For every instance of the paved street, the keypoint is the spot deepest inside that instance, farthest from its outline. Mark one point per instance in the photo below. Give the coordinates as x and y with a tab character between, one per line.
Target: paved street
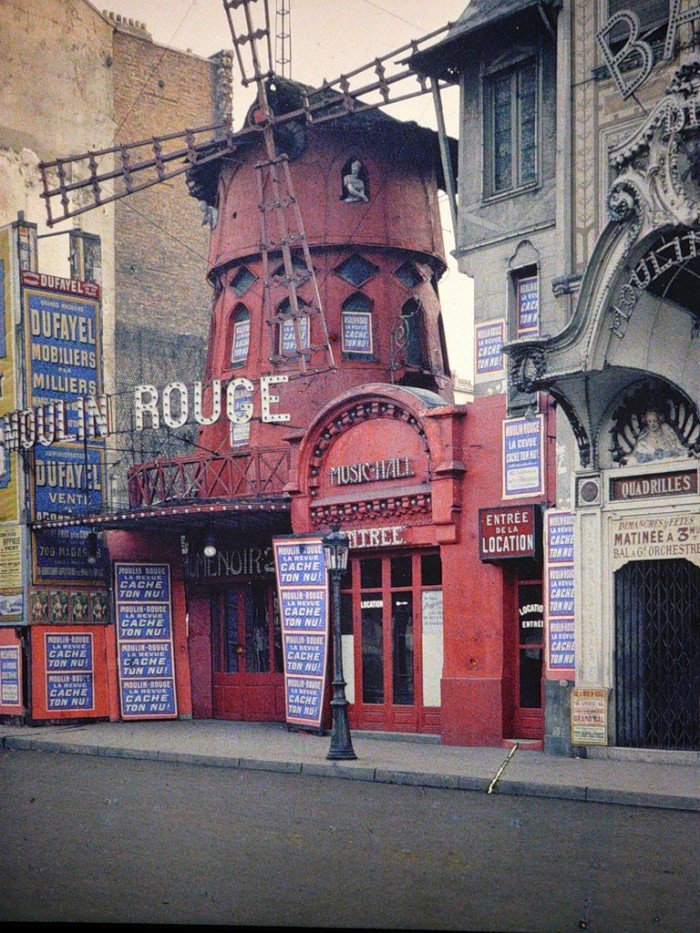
102	839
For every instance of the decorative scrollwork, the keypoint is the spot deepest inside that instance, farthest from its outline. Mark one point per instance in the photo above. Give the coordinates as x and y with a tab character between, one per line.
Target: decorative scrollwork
527	368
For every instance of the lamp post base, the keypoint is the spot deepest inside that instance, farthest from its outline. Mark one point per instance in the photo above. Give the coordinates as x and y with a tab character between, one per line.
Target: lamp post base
341	744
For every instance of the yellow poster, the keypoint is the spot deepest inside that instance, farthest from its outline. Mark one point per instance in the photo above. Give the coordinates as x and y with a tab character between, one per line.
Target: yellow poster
10	557
9	462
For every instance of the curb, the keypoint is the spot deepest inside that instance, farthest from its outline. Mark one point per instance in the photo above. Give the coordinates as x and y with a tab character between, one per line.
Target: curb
505	787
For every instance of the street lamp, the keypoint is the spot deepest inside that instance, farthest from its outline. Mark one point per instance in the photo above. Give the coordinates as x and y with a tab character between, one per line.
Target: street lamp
335	551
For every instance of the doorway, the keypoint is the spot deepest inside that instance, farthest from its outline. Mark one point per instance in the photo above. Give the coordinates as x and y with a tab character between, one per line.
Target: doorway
392	608
657	654
247	678
528	707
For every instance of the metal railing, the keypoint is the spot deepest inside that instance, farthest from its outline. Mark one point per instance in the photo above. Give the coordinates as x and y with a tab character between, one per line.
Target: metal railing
262	471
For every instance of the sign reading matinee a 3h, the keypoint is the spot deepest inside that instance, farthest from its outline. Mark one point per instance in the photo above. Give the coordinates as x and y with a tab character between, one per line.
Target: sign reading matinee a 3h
302	586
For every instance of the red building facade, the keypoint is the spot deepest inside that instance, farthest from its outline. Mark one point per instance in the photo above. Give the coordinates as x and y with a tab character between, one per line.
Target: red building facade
375	445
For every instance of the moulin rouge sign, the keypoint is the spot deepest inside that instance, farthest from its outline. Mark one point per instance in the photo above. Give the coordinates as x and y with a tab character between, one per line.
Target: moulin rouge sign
88	417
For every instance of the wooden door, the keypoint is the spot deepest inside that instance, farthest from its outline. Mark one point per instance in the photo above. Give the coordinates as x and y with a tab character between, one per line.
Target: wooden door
529	661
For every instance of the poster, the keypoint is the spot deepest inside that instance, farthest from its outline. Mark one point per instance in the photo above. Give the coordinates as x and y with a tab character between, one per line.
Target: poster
70	673
589	716
10	676
302	586
489	363
523	457
63	363
528	306
288	340
559	589
9	461
240	341
145	655
357	332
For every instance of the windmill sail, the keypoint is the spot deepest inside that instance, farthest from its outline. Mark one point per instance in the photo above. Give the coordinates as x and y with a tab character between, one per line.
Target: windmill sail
79	183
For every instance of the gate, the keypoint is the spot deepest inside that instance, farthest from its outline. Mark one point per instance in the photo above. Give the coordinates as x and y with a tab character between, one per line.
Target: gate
657	654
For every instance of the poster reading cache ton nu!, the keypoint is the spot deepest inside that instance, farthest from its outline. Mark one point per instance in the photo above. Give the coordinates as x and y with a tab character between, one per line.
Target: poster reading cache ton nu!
145	641
302	586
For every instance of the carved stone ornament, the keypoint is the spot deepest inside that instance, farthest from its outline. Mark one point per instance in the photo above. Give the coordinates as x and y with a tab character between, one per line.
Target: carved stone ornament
654	422
527	367
658	168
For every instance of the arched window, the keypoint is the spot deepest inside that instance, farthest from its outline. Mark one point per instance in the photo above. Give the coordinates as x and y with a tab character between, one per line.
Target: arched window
412	312
357	327
240	336
286	335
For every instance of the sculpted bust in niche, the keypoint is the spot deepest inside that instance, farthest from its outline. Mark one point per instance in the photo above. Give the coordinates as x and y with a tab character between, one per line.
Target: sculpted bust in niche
656	441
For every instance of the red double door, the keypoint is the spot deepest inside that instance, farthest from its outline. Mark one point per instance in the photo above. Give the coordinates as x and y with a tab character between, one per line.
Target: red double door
247	671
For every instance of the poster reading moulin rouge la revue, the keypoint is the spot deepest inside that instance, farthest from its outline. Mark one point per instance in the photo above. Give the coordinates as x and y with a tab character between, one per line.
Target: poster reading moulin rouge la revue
559	588
70	672
302	586
489	362
145	641
523	457
63	363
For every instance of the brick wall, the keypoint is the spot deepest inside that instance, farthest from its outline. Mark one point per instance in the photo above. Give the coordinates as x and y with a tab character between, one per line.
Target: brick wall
163	299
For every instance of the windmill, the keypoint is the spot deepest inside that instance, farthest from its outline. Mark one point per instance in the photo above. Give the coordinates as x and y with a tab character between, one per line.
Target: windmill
78	183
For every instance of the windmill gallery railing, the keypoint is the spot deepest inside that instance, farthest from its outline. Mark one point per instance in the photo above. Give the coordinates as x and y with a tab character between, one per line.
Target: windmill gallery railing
263	471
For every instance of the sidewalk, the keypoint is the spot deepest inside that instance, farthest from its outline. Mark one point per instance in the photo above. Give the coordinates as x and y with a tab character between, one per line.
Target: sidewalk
270	747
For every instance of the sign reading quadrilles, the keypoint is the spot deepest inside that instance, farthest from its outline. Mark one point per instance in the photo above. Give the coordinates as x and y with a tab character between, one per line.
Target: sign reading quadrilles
302	586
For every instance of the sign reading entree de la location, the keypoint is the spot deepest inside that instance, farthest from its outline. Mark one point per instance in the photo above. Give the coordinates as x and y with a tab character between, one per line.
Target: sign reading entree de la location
508	532
302	586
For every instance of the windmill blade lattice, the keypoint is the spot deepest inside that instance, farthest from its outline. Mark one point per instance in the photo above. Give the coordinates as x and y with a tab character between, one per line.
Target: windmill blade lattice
79	183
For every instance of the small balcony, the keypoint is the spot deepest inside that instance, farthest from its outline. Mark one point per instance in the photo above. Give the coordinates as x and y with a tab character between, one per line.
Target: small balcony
259	472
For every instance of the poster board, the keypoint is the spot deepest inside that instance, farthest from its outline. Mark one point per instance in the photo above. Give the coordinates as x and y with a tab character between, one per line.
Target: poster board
589	715
145	657
559	590
523	457
302	588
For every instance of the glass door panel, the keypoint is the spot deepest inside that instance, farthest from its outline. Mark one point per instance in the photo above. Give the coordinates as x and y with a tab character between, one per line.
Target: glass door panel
372	648
402	648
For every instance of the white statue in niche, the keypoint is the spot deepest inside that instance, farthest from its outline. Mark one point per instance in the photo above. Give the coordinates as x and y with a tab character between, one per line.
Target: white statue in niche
354	182
210	215
656	441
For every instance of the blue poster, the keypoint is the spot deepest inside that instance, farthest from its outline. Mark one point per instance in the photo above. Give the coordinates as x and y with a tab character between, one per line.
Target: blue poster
488	342
560	591
69	652
357	332
528	306
63	363
143	583
148	699
559	576
145	641
144	621
63	347
145	659
9	675
288	339
69	691
302	586
523	457
305	654
560	537
561	644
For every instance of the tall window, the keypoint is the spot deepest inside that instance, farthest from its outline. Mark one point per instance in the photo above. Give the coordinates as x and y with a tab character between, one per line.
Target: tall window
412	312
240	336
511	130
357	327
